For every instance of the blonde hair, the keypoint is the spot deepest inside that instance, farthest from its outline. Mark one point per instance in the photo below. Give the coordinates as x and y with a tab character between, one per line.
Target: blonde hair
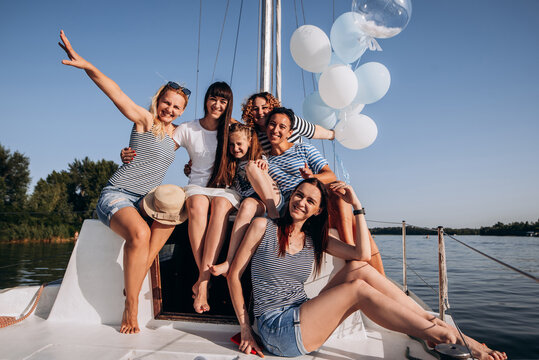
255	150
158	128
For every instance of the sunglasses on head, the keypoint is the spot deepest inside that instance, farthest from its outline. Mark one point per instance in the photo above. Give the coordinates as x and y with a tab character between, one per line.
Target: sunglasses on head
176	86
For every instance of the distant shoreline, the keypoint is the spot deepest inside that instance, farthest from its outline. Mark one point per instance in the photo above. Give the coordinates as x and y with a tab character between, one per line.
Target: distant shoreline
55	240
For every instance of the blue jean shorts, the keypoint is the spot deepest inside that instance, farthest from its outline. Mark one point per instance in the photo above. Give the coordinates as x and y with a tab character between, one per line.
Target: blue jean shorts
280	331
114	198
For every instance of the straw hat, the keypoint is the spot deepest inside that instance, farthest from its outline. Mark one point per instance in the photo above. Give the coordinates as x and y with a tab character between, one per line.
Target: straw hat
165	204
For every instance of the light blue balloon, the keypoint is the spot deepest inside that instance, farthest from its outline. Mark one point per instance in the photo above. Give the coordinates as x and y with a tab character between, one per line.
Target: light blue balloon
373	81
317	112
346	37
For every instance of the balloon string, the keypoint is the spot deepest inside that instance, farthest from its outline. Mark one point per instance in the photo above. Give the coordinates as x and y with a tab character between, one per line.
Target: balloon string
370	42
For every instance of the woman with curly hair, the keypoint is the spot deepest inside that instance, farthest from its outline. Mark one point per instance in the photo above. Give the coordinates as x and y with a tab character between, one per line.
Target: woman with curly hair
255	113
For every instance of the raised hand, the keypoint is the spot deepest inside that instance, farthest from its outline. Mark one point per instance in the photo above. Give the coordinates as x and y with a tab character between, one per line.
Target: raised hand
74	59
261	164
305	172
345	192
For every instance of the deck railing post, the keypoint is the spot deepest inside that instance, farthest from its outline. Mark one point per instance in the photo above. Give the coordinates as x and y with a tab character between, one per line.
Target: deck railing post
442	274
404	282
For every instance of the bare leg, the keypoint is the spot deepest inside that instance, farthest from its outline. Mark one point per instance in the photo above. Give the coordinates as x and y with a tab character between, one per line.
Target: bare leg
265	187
342	218
197	210
356	270
320	316
215	236
128	223
158	238
249	208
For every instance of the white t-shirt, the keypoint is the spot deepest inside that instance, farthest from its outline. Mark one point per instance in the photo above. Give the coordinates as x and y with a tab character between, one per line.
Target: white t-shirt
201	144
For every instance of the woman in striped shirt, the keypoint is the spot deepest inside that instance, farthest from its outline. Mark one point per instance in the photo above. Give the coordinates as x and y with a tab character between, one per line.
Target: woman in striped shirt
255	113
118	204
282	254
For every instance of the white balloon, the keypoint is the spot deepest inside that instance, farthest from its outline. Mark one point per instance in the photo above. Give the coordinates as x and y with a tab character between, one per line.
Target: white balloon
356	131
338	86
310	48
352	109
317	112
373	81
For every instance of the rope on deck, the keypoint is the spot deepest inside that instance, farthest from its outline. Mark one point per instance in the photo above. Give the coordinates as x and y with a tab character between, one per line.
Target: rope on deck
11	320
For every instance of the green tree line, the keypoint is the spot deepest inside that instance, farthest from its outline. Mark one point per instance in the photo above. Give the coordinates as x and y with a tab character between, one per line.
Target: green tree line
59	203
498	229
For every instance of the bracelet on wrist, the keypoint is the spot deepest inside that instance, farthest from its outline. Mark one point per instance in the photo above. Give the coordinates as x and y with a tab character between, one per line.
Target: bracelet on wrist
359	211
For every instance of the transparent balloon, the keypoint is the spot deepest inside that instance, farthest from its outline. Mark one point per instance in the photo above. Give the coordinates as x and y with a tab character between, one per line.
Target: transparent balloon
382	18
317	112
373	80
356	132
310	48
347	39
338	86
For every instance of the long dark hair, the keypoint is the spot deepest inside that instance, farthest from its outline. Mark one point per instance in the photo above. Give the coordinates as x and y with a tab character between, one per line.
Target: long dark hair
316	226
220	176
255	150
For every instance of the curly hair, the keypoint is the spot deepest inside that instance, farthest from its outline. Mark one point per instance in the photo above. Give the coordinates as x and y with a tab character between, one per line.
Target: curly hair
248	106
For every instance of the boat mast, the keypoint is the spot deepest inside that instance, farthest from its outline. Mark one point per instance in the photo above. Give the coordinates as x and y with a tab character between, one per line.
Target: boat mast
266	50
266	45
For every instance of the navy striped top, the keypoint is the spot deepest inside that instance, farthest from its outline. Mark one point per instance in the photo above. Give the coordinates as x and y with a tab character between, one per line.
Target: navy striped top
284	168
301	128
149	167
279	280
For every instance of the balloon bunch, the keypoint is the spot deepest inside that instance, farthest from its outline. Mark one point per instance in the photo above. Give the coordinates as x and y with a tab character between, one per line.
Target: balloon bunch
342	92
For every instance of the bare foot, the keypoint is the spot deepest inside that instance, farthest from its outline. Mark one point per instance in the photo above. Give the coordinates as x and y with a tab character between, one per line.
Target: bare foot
220	269
201	297
129	320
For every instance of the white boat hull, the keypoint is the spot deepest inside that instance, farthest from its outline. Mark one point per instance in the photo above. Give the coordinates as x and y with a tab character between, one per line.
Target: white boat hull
80	318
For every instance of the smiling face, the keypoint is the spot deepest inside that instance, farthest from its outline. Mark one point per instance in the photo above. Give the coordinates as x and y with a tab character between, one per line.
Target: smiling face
170	106
260	111
305	202
238	144
279	129
216	106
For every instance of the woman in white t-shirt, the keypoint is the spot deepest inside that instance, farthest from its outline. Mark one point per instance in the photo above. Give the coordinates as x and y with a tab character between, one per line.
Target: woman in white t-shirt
208	191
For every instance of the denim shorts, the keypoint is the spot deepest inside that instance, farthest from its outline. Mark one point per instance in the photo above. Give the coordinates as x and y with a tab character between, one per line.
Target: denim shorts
280	331
114	198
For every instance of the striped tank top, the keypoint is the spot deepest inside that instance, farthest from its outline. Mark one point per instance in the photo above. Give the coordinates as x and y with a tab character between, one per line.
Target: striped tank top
279	280
149	167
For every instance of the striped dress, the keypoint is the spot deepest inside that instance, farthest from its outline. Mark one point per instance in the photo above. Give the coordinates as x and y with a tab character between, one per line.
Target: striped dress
301	128
149	167
279	280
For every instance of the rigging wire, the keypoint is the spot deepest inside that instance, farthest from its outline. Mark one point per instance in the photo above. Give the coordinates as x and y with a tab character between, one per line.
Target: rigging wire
220	39
301	70
482	253
198	56
236	43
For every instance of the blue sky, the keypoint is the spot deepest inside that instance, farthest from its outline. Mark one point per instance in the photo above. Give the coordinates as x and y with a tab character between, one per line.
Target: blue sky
457	132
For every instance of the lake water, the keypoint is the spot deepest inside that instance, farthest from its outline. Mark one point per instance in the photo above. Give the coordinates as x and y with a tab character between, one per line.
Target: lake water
488	301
